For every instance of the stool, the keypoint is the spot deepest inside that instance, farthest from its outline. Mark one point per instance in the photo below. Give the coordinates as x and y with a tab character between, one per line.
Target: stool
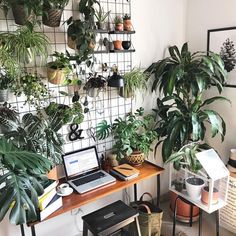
191	215
110	219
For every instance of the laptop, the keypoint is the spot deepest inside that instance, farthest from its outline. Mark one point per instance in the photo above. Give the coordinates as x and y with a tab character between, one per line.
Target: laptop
83	170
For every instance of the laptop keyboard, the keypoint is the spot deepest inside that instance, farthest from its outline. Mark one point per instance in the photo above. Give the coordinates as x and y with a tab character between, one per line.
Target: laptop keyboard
88	179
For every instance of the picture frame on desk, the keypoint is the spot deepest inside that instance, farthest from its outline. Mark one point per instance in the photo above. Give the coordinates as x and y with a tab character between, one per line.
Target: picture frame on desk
223	42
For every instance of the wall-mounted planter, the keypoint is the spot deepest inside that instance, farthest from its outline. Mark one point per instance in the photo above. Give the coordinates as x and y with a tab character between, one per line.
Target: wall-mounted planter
126	44
119	27
52	17
123	92
117	44
55	76
127	25
4	95
20	15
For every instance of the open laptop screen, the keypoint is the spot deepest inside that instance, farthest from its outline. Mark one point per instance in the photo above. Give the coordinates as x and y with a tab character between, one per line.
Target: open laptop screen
81	161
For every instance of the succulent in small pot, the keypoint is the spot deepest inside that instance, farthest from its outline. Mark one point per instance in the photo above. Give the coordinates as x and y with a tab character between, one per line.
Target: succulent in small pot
132	134
127	22
23	10
101	16
95	84
59	69
52	12
118	21
117	44
126	44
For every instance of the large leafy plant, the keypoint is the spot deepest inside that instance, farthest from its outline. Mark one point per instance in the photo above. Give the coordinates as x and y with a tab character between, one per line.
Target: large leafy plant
132	133
182	114
19	180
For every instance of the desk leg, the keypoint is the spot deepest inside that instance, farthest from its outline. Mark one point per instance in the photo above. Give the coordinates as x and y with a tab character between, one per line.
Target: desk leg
217	223
191	216
22	230
33	231
135	192
158	190
200	222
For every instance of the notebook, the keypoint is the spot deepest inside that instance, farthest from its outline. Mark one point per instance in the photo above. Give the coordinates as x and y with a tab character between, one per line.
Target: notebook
83	170
125	172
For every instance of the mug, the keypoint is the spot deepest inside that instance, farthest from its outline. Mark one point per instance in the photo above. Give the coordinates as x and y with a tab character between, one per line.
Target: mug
64	188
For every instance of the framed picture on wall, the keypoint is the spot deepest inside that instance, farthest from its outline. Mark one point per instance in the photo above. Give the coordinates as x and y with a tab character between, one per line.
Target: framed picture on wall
223	42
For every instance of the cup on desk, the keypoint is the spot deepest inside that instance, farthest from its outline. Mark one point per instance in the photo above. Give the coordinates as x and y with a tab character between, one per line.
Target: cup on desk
64	188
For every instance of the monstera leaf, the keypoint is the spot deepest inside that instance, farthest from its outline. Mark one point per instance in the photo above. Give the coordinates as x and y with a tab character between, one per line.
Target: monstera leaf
19	181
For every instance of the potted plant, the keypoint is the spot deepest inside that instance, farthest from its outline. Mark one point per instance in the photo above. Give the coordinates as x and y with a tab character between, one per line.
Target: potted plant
101	16
133	81
23	10
127	22
52	12
5	84
80	36
118	23
22	172
94	85
205	195
133	135
117	44
184	78
32	86
25	44
59	69
126	44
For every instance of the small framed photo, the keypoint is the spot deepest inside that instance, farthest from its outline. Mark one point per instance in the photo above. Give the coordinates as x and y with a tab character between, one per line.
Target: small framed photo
223	42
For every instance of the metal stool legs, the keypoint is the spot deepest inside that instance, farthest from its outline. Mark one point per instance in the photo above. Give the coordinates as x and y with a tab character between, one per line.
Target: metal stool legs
217	223
200	223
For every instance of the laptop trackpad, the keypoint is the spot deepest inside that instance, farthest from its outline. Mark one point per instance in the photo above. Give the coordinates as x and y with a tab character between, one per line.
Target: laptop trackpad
95	183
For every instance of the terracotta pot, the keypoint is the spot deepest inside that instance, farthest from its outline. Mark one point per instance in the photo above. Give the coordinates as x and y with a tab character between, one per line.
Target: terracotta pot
56	172
119	27
20	15
205	195
52	17
183	209
117	44
56	76
136	158
127	25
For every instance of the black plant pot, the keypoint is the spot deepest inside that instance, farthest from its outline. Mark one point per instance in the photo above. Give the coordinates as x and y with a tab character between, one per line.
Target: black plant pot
126	44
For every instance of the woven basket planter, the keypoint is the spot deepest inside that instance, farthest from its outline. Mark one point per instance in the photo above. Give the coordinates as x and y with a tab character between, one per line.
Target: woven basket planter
55	76
136	158
52	18
20	15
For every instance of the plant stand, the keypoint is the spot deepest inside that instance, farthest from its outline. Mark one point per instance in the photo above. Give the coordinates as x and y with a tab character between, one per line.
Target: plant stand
200	217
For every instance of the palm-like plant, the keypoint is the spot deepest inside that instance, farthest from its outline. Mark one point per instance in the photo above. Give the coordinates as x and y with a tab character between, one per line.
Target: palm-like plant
19	180
184	78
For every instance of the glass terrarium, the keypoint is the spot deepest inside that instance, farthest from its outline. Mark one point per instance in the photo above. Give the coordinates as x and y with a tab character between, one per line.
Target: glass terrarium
208	188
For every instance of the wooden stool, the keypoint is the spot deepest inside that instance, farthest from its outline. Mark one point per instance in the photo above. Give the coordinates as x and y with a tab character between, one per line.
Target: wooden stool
110	219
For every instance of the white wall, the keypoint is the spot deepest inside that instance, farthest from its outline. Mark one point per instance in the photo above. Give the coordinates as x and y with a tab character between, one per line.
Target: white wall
159	23
201	16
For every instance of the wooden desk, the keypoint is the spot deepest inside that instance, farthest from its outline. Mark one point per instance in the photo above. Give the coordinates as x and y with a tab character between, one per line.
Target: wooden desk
76	200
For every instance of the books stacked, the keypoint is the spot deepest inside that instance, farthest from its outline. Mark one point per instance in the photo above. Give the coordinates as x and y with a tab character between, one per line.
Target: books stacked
49	201
125	172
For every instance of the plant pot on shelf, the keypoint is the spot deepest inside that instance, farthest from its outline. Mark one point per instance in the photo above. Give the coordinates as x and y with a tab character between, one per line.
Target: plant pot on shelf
55	76
127	25
4	95
117	44
126	44
119	27
52	17
20	14
101	25
136	158
183	209
194	186
56	173
205	195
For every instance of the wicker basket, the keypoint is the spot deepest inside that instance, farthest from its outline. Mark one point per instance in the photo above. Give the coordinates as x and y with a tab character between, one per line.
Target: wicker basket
136	158
20	14
56	76
52	18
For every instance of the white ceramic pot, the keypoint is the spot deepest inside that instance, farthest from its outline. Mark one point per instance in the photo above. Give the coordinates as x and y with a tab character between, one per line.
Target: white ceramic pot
194	186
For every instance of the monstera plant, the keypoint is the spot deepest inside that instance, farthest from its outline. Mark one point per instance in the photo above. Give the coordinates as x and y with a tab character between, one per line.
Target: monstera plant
20	175
183	112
